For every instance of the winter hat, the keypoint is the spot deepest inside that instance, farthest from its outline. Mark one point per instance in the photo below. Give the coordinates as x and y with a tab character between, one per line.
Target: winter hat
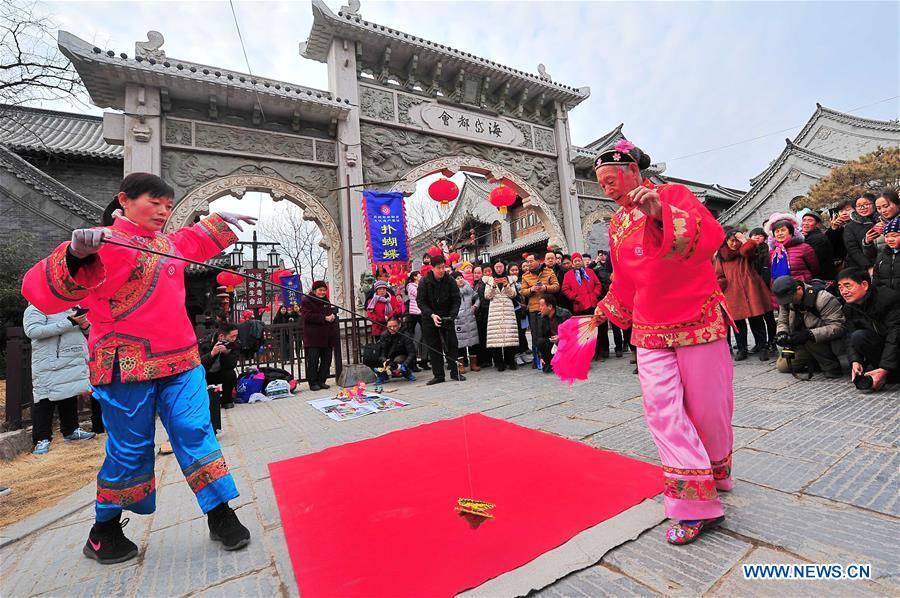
320	284
808	212
892	226
624	152
576	256
779	219
758	231
380	284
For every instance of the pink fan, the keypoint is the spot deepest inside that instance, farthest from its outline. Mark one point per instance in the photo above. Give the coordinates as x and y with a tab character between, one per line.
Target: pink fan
575	349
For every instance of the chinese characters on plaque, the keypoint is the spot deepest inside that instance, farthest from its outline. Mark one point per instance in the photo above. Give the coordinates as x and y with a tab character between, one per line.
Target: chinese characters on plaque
256	291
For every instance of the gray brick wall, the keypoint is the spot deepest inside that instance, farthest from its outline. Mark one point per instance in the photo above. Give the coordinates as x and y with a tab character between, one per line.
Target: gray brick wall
97	181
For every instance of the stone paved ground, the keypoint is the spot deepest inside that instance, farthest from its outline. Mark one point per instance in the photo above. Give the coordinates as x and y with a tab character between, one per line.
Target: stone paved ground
816	463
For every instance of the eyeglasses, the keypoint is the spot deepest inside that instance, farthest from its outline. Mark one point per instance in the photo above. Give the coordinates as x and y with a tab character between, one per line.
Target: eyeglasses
867	204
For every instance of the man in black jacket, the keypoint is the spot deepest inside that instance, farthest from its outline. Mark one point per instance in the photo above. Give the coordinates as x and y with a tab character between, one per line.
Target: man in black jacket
220	360
397	350
816	239
552	315
439	299
873	318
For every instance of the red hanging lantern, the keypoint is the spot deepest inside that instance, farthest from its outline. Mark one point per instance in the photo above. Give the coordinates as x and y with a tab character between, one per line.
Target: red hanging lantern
229	279
453	257
444	191
277	275
502	197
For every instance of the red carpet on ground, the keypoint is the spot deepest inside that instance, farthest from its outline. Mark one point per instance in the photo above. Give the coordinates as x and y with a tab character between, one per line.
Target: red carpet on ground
376	517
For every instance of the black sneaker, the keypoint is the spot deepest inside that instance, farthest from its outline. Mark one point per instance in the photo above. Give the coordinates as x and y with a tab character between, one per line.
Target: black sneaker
314	387
107	544
434	381
324	386
224	527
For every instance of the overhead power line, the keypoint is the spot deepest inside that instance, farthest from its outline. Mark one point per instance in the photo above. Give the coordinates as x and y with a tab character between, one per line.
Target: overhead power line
758	137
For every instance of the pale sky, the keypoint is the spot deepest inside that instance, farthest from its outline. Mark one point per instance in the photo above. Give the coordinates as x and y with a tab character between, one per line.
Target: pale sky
683	77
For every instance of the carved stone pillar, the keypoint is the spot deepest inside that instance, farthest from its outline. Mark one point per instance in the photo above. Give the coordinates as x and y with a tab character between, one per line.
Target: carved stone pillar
143	132
568	192
342	83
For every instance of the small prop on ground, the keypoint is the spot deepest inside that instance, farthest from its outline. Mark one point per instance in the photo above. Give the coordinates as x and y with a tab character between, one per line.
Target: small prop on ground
477	508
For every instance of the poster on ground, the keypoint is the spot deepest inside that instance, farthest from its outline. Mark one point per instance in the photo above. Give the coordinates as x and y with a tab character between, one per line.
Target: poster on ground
342	410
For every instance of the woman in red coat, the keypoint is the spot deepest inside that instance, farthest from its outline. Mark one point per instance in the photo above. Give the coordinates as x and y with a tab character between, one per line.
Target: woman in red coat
582	287
746	294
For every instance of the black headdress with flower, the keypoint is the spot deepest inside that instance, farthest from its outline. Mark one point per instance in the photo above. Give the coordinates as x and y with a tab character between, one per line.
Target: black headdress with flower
624	152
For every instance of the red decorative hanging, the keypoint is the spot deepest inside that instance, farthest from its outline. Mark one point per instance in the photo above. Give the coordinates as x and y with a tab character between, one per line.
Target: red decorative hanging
434	251
502	197
453	257
229	279
444	191
277	275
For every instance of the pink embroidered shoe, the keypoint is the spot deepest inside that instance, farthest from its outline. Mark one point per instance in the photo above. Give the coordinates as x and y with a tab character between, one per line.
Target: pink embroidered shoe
685	532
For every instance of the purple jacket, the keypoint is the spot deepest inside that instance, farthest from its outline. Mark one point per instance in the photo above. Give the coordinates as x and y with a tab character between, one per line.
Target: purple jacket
802	259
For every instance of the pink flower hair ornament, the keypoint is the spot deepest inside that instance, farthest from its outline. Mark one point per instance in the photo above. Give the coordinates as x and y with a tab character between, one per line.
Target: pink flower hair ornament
624	146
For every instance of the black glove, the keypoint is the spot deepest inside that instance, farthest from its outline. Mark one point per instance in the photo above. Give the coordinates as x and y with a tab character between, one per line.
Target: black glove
801	337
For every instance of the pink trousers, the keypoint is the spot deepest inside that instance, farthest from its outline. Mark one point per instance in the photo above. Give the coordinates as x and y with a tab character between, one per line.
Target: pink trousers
688	403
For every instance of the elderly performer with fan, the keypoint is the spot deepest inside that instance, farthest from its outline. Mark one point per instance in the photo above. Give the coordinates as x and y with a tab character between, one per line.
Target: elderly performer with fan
144	358
662	241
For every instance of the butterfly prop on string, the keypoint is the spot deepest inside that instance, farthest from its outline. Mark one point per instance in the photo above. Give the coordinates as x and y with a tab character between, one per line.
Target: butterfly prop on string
575	348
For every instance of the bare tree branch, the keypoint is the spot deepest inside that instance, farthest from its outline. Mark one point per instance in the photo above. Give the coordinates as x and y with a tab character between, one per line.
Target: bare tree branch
33	69
301	242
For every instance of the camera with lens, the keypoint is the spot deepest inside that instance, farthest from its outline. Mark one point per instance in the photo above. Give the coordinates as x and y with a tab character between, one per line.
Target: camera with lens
864	382
783	339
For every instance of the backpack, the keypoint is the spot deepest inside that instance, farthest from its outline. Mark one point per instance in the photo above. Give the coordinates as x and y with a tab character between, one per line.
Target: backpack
763	265
371	355
248	384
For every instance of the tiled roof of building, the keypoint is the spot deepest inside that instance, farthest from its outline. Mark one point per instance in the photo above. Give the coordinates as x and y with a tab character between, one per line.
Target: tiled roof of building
43	183
520	243
52	132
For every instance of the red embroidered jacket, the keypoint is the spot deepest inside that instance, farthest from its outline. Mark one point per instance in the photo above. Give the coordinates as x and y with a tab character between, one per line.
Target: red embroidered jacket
136	299
664	283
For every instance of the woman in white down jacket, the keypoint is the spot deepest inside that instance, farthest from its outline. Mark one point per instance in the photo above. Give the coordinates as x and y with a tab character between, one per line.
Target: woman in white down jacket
502	326
59	373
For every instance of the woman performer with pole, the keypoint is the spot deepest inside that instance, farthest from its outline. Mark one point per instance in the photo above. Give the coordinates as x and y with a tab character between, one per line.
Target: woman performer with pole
662	241
143	356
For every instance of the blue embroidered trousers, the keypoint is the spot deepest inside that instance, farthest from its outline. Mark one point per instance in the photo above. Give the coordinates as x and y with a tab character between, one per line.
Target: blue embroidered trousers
126	479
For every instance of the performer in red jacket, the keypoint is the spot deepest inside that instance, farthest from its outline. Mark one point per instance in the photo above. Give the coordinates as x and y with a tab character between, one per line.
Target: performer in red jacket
662	241
144	359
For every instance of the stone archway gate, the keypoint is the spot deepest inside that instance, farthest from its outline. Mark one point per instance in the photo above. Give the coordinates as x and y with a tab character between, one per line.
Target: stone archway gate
398	107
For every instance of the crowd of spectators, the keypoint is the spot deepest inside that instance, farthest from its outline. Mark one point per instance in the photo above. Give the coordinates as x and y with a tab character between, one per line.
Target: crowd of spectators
835	287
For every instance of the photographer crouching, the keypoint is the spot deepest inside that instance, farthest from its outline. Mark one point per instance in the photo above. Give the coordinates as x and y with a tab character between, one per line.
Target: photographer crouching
220	359
810	318
873	318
